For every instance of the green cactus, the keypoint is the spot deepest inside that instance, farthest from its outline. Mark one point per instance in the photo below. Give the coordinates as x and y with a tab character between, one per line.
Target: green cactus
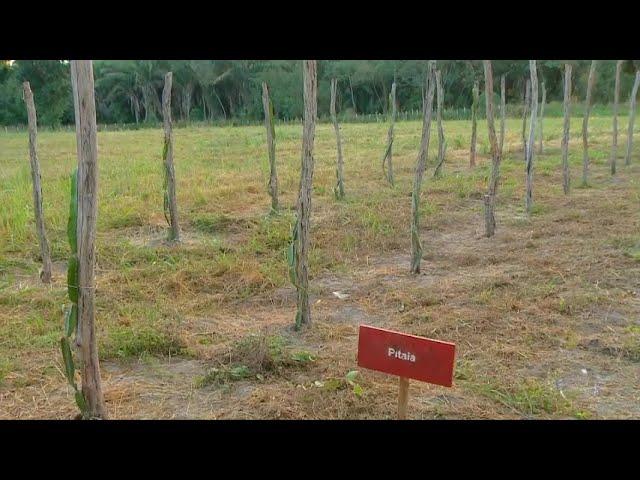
165	183
415	237
292	260
292	254
71	315
338	190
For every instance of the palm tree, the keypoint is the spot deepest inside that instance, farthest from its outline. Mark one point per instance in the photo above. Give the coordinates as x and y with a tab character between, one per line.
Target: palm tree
209	74
149	79
118	80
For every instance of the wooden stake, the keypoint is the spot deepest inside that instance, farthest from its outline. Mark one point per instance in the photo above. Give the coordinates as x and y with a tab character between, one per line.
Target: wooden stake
403	398
45	275
532	137
474	123
442	144
170	202
616	100
502	112
585	124
525	112
565	132
496	153
540	120
87	146
310	80
632	116
427	106
271	145
388	154
339	188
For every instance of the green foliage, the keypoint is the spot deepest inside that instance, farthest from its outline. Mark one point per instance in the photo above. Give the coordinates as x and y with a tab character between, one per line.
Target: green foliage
350	378
256	356
72	278
129	91
302	357
71	320
415	236
71	316
530	397
51	85
69	368
72	230
338	190
292	254
165	182
126	342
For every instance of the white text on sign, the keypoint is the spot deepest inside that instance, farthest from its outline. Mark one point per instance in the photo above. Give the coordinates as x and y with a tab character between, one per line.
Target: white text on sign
399	354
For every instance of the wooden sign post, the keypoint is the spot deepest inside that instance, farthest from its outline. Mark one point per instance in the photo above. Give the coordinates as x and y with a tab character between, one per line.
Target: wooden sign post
407	356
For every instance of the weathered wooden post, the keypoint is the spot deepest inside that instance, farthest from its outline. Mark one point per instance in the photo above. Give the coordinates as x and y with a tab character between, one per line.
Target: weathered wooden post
616	100
86	137
339	188
632	117
542	104
299	249
387	159
403	397
271	146
565	133
585	124
496	154
525	112
503	112
442	143
427	107
170	203
45	255
532	136
474	123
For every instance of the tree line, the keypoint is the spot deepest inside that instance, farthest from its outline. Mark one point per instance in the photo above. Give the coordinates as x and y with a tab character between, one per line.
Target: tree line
130	91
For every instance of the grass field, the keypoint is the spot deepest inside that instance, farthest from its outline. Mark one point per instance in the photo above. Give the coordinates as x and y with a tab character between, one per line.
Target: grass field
545	315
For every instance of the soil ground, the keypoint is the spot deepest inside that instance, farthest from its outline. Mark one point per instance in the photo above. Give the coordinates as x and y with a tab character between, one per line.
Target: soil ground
545	315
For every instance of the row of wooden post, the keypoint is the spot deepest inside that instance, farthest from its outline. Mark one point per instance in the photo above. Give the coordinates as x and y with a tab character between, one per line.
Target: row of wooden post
86	131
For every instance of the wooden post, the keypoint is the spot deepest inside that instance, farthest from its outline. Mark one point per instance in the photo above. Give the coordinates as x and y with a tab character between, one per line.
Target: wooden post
388	154
525	112
632	117
427	106
339	188
616	100
45	274
353	99
542	103
301	246
474	123
271	146
532	137
565	134
170	203
496	153
442	144
403	398
503	112
86	138
585	124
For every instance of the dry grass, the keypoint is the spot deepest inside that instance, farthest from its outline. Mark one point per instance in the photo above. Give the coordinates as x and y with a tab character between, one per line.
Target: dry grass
203	330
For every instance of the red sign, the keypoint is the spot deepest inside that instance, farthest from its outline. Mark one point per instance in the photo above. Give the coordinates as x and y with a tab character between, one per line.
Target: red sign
407	356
